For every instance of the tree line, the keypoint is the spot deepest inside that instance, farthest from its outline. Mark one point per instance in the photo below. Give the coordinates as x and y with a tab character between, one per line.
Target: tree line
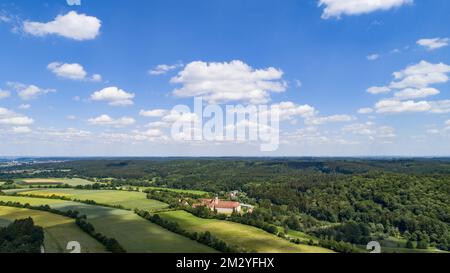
110	244
205	238
22	236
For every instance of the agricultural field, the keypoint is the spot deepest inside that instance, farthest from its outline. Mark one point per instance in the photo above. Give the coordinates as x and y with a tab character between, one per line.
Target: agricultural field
303	237
248	237
54	181
18	190
135	234
144	236
58	230
129	200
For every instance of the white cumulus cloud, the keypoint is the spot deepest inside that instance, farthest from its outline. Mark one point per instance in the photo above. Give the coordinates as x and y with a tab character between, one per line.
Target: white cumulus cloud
224	82
433	43
71	25
153	113
378	90
96	78
74	2
105	120
8	117
21	130
413	83
163	69
440	106
114	96
29	92
411	93
73	71
289	110
396	106
337	8
421	75
370	130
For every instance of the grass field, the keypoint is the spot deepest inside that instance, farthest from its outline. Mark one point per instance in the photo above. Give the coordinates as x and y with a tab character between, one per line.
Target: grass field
58	230
15	191
135	234
143	235
129	200
54	181
303	237
248	237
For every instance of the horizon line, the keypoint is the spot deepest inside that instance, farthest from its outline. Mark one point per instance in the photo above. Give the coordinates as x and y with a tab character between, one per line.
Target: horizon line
332	156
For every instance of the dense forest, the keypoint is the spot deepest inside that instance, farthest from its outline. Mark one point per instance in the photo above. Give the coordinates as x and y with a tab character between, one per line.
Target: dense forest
22	236
351	200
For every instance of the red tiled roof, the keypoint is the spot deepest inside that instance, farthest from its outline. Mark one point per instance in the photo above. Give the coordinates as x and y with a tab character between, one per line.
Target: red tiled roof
226	205
220	205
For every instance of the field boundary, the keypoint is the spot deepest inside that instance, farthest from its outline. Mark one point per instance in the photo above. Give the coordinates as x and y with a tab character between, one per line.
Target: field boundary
110	244
64	198
93	203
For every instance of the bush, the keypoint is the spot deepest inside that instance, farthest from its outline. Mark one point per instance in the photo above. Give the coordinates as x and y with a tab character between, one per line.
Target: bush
81	220
422	245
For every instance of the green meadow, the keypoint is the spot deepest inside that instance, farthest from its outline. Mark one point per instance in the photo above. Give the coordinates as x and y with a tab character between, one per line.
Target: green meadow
248	237
127	199
144	236
54	181
134	233
294	234
58	230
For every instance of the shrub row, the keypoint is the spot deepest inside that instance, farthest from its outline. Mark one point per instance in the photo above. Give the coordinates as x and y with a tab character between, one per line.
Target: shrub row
205	238
65	198
110	244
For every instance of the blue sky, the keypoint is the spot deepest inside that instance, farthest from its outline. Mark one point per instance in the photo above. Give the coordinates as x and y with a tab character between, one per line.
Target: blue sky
101	78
